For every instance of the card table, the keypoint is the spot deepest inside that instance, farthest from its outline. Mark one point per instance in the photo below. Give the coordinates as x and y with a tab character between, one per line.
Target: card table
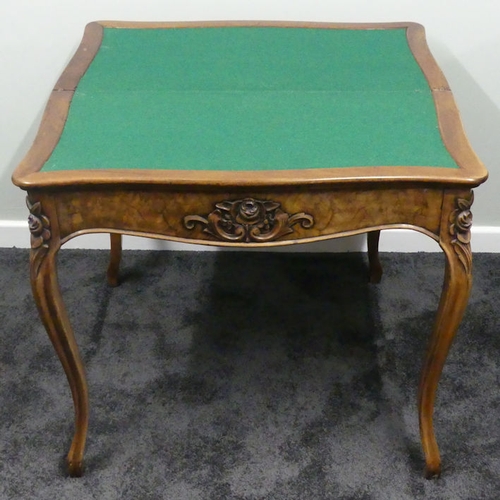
250	134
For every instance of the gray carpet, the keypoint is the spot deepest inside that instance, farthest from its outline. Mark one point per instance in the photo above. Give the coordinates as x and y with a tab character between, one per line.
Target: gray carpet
249	376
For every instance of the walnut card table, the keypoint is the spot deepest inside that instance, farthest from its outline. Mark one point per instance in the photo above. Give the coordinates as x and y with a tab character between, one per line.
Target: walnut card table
250	135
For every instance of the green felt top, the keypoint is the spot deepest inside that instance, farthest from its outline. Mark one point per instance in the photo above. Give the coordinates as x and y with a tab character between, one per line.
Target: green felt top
251	98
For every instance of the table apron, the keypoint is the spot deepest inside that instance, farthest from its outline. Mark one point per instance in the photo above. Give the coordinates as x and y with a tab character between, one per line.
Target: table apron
214	217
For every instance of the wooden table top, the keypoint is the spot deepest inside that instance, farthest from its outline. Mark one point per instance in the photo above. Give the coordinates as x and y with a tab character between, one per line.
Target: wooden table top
250	103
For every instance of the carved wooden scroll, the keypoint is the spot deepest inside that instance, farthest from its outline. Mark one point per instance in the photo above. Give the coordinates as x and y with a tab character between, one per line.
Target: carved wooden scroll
248	220
460	226
39	226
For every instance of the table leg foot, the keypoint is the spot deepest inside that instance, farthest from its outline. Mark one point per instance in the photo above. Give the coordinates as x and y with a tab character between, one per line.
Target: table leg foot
114	260
54	317
75	468
432	472
375	271
454	297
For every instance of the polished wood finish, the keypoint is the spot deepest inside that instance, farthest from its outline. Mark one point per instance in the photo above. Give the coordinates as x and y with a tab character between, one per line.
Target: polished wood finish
161	212
45	287
302	206
455	242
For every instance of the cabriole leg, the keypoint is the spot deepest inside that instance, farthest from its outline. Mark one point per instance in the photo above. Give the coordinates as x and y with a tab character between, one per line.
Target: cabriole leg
455	242
114	259
375	272
44	283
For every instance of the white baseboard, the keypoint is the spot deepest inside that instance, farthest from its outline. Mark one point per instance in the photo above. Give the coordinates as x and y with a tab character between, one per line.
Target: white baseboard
484	239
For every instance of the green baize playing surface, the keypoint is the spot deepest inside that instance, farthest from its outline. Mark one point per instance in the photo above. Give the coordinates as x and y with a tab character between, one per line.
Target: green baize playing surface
251	98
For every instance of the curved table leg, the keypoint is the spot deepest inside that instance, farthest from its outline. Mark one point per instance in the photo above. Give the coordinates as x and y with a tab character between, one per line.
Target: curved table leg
115	258
455	239
375	272
48	298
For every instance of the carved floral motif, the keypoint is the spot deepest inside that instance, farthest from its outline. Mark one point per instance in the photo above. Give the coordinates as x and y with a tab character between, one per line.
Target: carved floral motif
460	226
38	223
248	220
39	226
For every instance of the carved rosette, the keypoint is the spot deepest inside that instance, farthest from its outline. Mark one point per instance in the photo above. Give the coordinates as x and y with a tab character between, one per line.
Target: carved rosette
39	226
460	226
248	220
38	223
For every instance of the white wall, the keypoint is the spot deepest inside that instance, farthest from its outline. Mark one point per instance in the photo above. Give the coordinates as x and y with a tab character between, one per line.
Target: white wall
38	37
